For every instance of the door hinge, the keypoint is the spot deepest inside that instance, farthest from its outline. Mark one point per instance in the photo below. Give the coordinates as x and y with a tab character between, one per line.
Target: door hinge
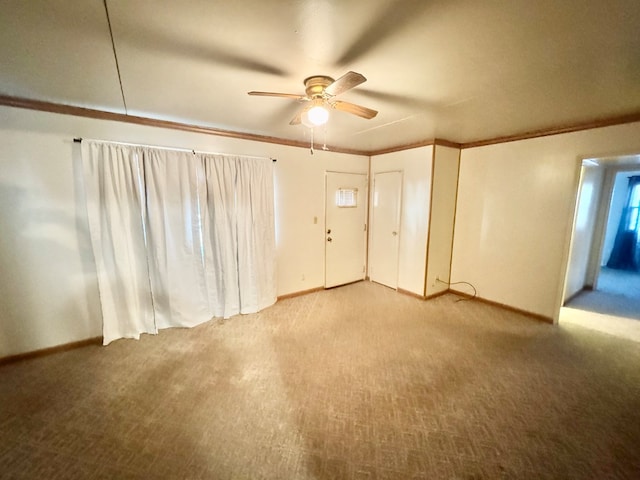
365	227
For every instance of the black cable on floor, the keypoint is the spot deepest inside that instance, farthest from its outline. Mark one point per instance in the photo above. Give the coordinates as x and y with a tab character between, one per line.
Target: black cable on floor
475	292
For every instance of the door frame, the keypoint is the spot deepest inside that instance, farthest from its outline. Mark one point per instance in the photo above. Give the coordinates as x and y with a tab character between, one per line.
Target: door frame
599	231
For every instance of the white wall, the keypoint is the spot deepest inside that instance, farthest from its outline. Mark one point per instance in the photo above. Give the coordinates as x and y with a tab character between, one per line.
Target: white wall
590	192
300	190
48	290
515	211
415	165
443	206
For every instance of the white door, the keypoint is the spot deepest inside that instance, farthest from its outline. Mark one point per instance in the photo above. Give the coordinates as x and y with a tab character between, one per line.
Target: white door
345	228
385	228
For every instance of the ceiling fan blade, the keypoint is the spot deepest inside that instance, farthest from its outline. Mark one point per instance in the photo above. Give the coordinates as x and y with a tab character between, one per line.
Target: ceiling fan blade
384	25
274	94
354	109
345	82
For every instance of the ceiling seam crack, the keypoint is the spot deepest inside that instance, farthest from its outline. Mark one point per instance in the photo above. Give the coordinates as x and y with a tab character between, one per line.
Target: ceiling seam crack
115	56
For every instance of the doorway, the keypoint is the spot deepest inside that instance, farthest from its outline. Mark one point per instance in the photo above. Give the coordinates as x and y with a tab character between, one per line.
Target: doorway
597	296
345	228
385	228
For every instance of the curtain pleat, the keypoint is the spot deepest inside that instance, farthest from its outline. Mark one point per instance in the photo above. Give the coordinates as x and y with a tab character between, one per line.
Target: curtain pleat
115	200
178	238
175	244
221	232
256	236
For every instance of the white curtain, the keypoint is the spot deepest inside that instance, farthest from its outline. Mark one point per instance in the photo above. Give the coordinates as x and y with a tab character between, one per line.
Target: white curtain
194	236
256	234
240	229
175	192
115	206
220	229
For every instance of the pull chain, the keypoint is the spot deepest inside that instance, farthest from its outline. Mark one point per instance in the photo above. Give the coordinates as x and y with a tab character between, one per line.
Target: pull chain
312	130
324	145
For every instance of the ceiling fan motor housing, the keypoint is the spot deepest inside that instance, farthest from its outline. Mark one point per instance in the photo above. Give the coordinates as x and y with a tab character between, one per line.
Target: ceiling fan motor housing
316	85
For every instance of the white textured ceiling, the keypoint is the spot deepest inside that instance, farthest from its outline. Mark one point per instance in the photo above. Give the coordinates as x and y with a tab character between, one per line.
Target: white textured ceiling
462	70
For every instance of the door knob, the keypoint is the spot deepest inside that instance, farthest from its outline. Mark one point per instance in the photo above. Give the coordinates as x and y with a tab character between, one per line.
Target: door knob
394	233
328	231
329	239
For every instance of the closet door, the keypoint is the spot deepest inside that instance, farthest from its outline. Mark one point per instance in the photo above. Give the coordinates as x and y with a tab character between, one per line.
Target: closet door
385	228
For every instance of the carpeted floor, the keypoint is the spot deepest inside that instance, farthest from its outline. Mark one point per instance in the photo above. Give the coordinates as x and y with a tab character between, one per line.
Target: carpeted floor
619	282
617	294
356	382
613	308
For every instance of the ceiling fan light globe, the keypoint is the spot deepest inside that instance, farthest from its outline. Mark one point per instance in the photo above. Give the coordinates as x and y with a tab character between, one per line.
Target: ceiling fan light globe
318	115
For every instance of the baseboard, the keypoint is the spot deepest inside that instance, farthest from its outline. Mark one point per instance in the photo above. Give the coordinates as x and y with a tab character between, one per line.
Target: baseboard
48	351
411	294
436	295
298	294
535	316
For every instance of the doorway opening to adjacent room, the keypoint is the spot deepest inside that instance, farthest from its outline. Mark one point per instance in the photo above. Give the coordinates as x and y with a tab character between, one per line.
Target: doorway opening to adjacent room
602	284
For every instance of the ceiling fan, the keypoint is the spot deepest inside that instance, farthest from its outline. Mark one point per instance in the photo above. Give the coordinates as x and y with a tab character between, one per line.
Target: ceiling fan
320	91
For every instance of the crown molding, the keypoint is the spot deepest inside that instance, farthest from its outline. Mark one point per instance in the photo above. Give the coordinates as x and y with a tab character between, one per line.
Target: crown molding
557	130
399	148
64	109
52	107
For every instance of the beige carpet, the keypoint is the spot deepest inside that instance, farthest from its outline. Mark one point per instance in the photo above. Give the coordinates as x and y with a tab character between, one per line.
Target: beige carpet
355	382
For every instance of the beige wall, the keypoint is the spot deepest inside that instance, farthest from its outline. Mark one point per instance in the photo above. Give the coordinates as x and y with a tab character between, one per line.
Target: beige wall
443	206
300	192
515	212
514	216
415	165
48	291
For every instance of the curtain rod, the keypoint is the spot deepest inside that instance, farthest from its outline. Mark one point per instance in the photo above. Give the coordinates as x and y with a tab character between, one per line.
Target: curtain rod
80	139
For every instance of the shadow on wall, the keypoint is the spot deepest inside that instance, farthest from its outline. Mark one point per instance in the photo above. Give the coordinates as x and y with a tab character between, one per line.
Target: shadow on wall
48	288
12	263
